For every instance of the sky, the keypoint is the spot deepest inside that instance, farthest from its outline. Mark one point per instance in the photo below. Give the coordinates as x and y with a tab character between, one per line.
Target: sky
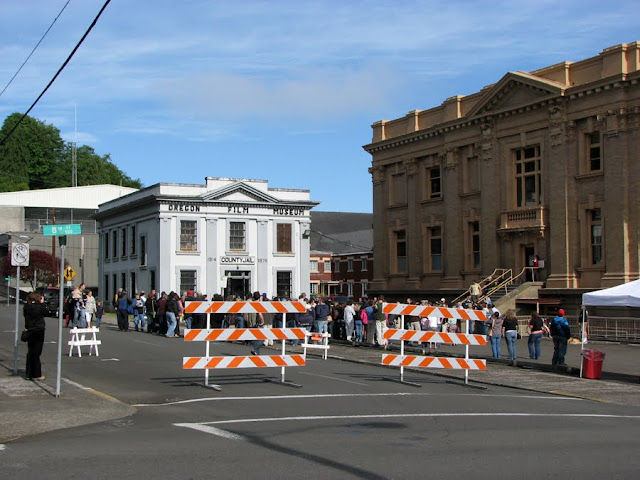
285	91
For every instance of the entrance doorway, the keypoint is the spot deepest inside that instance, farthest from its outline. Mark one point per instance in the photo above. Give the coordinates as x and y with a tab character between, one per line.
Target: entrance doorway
529	255
238	283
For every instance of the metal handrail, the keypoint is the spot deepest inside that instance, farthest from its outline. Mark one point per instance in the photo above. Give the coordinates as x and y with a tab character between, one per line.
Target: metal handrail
484	283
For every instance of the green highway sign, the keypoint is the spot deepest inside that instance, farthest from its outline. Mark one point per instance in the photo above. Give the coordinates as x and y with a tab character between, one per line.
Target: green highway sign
58	230
8	279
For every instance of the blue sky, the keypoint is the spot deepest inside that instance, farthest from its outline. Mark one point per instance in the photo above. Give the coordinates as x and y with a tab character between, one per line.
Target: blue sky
280	90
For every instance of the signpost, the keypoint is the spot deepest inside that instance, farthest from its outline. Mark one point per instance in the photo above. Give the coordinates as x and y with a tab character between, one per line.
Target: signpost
61	231
19	258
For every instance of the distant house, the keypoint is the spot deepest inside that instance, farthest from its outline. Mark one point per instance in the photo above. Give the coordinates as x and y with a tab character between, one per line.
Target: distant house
341	253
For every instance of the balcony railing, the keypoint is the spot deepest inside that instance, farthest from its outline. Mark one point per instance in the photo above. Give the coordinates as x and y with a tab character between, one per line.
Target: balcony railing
523	219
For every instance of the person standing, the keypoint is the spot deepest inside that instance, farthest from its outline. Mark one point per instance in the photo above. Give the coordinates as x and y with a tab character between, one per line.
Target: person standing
138	313
99	313
510	331
495	324
475	290
349	314
161	308
381	320
171	314
560	332
150	307
34	314
90	307
536	326
123	310
322	312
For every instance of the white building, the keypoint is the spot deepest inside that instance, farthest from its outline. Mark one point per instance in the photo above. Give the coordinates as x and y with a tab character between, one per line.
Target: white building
228	236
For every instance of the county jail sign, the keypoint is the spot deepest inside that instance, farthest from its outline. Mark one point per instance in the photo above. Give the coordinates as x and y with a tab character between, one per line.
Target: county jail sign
238	260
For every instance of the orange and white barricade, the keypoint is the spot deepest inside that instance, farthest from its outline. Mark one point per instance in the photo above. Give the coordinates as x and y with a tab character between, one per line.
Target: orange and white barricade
465	339
79	339
244	334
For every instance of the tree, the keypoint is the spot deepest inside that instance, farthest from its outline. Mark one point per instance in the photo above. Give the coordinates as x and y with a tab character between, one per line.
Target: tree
29	156
43	263
35	157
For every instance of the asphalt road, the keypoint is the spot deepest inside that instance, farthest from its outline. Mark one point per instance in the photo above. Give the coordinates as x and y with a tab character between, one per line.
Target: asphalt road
346	421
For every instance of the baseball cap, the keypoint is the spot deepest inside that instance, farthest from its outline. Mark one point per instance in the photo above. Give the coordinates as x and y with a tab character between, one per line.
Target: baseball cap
561	312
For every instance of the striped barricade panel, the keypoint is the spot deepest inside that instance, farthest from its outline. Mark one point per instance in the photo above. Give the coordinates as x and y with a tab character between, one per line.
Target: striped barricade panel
251	361
435	337
244	307
427	311
241	334
434	362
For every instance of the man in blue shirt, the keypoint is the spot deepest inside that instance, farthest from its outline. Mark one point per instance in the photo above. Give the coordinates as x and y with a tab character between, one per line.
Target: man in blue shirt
561	332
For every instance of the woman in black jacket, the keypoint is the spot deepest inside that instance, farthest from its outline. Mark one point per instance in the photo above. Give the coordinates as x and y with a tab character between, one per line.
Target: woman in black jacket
34	313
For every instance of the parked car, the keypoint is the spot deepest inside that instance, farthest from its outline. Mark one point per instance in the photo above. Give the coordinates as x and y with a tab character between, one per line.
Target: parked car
52	298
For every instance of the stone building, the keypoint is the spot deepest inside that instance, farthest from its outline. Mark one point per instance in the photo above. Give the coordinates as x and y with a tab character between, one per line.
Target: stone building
540	163
227	236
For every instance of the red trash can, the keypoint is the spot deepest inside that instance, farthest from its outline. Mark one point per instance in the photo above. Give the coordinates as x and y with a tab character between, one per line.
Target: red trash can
592	361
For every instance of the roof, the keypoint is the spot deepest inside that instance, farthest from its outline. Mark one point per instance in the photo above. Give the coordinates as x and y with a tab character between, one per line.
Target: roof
341	232
86	197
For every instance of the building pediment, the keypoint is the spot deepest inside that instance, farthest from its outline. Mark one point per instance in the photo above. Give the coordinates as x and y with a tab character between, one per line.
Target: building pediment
516	89
238	192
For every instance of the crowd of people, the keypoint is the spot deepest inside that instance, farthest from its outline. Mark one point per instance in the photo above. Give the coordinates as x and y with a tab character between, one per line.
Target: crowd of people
360	321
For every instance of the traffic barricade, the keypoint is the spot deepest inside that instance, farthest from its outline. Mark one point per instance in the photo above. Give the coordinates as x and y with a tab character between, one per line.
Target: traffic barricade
421	336
323	343
244	334
79	339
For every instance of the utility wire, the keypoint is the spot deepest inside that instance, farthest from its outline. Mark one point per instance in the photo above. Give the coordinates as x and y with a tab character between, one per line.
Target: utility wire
34	48
2	142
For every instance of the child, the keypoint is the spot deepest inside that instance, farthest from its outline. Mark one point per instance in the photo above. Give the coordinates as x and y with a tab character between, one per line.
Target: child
99	312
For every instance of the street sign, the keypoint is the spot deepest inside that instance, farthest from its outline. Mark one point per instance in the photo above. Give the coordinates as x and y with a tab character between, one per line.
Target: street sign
58	230
69	273
19	254
8	279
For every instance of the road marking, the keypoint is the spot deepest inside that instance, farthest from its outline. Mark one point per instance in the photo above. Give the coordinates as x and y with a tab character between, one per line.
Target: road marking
212	431
334	378
109	359
77	385
414	415
339	395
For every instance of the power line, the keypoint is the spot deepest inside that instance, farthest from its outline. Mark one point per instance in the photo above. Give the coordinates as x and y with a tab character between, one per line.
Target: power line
34	48
57	73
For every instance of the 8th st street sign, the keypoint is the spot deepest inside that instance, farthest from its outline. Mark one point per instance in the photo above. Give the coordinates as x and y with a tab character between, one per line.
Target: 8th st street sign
60	230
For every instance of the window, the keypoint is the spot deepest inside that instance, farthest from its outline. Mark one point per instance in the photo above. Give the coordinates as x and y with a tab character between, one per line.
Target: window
349	265
114	254
152	280
475	244
187	280
283	284
313	265
596	236
363	265
133	240
434	182
123	280
115	284
313	288
327	265
188	236
123	250
134	287
528	177
365	287
350	289
435	248
106	290
284	238
399	189
237	236
106	246
336	266
400	237
143	250
594	152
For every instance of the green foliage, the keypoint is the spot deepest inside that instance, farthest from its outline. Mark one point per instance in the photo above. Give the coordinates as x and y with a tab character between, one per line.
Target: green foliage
45	265
35	157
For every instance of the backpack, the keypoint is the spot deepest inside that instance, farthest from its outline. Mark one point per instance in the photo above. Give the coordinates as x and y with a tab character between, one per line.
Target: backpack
363	316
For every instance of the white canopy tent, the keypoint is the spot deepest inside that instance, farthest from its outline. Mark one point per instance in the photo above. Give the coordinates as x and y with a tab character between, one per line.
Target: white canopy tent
625	295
